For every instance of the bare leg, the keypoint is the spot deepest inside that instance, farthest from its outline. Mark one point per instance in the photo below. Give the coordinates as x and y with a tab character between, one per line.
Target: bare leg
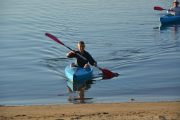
81	95
70	95
69	90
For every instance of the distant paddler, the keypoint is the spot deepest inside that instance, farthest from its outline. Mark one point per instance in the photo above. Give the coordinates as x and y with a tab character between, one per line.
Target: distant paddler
175	10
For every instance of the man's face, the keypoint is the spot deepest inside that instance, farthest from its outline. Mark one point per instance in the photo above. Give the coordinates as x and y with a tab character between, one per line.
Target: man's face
174	4
81	47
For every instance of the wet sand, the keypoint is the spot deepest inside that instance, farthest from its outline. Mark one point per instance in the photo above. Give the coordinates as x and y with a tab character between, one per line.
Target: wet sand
109	111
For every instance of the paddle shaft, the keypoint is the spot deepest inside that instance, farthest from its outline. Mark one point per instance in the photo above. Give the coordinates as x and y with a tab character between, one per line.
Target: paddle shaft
76	53
58	41
81	56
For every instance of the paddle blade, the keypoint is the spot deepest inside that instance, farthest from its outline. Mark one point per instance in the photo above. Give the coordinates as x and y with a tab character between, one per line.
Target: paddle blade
54	38
107	74
158	8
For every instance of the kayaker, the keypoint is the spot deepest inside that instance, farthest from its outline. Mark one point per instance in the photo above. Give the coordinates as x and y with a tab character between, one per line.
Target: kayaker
84	63
80	61
175	10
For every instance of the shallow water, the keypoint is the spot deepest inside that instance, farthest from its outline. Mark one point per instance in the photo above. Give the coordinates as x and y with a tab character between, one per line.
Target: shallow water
122	38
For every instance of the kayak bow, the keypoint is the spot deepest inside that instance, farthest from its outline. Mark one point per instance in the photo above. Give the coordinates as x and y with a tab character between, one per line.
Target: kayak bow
77	76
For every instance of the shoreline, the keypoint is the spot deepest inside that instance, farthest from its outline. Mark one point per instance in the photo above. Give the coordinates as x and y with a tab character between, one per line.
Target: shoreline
78	101
94	111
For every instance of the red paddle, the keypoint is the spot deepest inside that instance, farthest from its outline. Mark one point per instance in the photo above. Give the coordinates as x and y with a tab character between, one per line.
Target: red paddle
159	8
57	40
107	74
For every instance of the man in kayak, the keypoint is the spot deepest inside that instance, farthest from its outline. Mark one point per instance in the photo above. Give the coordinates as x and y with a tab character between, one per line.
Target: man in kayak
83	60
175	10
82	56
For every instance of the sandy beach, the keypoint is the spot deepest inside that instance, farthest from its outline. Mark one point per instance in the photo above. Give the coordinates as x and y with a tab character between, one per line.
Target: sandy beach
104	111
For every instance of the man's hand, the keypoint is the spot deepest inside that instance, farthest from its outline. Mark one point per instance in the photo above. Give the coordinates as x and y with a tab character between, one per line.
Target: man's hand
71	54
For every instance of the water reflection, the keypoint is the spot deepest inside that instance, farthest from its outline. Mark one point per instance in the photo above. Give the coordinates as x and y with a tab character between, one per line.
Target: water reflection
173	27
78	95
78	80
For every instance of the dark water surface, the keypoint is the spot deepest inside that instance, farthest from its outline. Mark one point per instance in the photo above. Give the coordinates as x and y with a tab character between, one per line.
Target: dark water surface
123	38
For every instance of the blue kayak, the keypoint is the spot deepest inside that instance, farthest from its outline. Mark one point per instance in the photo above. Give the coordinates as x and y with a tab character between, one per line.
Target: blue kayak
169	19
77	76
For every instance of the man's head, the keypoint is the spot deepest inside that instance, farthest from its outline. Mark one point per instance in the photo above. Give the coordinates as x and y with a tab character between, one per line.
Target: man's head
81	46
175	3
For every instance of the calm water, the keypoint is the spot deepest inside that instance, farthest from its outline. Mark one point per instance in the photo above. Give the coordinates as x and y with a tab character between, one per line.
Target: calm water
122	37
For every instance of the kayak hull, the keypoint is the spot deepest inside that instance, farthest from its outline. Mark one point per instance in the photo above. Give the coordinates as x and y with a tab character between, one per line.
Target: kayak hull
77	76
169	19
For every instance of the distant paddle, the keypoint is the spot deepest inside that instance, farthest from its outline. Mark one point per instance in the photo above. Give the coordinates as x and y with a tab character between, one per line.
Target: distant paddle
159	8
107	74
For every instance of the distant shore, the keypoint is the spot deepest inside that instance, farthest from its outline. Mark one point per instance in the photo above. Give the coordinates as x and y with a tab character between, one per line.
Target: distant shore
104	111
